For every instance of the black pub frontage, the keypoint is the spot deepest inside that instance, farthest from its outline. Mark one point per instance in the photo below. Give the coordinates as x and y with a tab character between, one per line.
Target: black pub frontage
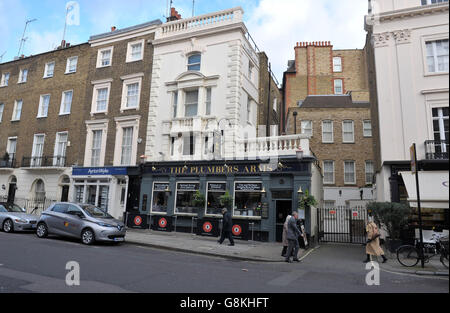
263	194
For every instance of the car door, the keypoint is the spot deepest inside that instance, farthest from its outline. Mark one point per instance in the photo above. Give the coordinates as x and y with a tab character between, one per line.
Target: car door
73	221
3	213
55	219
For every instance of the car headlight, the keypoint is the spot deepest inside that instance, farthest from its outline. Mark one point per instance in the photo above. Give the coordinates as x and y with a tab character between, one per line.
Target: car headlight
21	221
105	225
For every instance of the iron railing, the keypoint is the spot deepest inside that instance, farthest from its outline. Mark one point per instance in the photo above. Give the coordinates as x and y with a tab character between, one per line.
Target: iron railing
10	162
436	149
44	161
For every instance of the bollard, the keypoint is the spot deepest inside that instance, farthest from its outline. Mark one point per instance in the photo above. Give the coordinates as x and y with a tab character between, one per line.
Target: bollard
253	228
176	219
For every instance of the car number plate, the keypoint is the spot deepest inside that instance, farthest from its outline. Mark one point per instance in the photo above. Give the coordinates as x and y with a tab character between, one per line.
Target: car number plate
119	239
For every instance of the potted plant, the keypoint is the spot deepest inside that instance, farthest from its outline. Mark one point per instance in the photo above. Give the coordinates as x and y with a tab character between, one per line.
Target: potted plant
306	201
198	200
226	200
393	217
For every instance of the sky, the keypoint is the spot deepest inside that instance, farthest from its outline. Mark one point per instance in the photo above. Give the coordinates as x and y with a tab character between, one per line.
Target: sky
275	25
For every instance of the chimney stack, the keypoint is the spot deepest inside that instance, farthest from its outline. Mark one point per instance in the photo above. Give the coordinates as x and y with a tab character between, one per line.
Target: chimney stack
174	16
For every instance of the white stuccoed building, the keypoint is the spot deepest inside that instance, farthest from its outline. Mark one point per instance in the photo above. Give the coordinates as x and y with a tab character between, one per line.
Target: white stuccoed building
408	63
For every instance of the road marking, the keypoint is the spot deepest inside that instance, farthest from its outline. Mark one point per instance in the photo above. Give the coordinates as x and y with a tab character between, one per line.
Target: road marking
309	252
413	275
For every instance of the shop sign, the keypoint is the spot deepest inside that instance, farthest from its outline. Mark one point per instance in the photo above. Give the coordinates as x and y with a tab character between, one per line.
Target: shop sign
240	230
332	212
248	187
355	213
208	227
162	223
137	221
217	186
188	186
97	171
161	187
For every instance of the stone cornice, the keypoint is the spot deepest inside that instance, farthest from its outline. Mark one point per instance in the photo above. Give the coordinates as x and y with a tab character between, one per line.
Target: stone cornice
412	12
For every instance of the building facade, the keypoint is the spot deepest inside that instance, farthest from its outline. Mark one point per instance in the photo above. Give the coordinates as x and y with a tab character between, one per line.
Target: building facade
408	66
41	101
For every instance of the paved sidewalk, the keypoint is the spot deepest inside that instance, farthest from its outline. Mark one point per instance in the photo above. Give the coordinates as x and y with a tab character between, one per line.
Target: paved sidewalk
191	243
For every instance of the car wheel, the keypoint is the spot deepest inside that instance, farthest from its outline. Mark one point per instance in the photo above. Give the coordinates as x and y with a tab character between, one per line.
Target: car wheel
8	226
87	237
42	230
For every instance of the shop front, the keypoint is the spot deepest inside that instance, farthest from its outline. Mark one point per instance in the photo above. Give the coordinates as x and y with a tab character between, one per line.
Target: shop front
259	191
104	187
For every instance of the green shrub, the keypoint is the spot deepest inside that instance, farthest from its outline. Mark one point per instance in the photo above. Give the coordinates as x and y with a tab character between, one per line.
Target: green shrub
394	216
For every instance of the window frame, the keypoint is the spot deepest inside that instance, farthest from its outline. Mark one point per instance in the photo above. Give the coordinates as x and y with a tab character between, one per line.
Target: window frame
130	45
207	194
366	129
333	172
194	64
21	79
41	97
332	131
68	65
91	126
303	128
354	173
62	103
176	196
432	38
335	65
5	82
55	155
234	198
153	195
99	57
186	104
14	119
342	86
96	88
2	110
344	132
46	69
365	172
124	102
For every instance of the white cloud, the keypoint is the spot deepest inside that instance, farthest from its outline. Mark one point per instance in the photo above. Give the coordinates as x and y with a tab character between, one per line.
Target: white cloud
276	26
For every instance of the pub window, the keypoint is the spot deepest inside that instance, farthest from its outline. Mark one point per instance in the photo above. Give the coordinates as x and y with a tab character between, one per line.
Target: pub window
185	198
215	191
160	197
248	199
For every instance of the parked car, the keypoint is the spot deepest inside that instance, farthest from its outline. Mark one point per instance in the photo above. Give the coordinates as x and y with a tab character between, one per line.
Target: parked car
14	218
84	221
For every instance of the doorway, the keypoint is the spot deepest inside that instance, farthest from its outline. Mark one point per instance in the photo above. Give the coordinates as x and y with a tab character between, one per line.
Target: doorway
12	190
283	209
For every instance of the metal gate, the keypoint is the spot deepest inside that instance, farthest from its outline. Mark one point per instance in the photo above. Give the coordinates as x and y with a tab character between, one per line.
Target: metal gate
342	224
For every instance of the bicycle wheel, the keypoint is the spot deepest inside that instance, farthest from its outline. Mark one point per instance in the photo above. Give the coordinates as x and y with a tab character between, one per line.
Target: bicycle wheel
444	259
408	256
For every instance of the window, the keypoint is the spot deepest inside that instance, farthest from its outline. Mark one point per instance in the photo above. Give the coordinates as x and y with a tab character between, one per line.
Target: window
23	76
329	204
71	66
247	199
17	110
104	57
172	146
367	128
135	51
11	148
437	56
66	102
250	70
132	97
275	104
60	149
214	192
191	103
194	62
189	144
349	172
337	64
100	99
38	150
338	90
127	146
348	132
369	172
96	147
185	198
307	127
49	69
441	130
327	132
328	172
2	108
249	109
175	104
5	80
160	197
95	192
43	106
208	101
425	2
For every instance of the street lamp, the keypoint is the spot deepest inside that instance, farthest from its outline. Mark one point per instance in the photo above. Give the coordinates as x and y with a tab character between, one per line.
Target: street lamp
295	121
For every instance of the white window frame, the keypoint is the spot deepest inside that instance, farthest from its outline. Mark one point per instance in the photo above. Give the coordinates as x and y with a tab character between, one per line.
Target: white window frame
234	198
332	131
425	39
353	131
121	123
249	110
63	97
366	130
2	109
34	152
176	196
354	173
130	80
5	82
275	104
334	172
366	172
206	197
193	64
106	85
337	66
14	119
68	65
90	127
99	56
153	194
185	103
46	75
55	151
437	1
21	76
208	102
8	146
335	86
175	102
41	103
129	51
302	124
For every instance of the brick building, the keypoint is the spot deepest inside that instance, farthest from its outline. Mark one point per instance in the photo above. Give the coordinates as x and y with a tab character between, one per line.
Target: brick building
41	101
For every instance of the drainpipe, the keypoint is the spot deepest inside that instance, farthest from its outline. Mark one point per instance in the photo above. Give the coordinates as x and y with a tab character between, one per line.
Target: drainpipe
268	107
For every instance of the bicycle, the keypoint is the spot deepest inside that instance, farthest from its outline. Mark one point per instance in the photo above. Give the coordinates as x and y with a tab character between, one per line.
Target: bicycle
409	255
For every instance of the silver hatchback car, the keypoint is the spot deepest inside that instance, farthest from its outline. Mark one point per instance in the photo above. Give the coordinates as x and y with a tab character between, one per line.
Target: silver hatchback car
84	221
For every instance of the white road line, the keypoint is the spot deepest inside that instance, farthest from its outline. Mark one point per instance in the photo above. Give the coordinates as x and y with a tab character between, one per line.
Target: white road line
309	252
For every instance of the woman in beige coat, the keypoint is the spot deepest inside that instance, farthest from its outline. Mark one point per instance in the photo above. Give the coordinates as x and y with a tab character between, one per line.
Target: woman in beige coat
285	241
373	242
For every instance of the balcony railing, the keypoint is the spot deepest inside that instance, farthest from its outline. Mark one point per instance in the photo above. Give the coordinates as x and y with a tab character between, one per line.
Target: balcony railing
274	146
8	163
44	161
436	149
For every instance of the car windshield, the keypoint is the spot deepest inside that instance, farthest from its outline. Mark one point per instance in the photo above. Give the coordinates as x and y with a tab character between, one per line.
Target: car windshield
14	208
93	211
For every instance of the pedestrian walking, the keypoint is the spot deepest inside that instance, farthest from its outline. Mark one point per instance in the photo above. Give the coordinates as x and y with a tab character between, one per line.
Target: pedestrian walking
226	227
373	241
284	240
292	236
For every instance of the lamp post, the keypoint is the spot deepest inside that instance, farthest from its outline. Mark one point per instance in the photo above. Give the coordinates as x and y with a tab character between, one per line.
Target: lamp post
295	121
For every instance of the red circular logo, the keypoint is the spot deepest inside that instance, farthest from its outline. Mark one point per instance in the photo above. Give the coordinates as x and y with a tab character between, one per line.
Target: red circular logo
162	223
137	220
207	227
237	230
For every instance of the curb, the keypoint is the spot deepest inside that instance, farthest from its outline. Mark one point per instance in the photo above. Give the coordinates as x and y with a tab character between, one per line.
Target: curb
232	257
416	272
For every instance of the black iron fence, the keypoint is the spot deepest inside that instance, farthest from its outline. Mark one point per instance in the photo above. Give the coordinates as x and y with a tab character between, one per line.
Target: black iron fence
342	224
44	161
436	149
8	162
31	205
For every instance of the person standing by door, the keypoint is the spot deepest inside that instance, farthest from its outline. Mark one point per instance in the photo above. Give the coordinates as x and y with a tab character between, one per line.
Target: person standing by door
292	236
226	227
284	238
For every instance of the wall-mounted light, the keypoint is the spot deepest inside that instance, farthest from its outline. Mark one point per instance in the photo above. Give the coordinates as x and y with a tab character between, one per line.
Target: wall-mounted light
300	191
263	192
139	141
143	158
168	191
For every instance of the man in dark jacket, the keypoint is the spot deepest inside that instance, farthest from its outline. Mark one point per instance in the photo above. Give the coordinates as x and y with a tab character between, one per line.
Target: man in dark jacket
293	232
227	225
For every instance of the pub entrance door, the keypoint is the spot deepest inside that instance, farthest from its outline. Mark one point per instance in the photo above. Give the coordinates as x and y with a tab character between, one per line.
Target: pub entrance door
283	209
